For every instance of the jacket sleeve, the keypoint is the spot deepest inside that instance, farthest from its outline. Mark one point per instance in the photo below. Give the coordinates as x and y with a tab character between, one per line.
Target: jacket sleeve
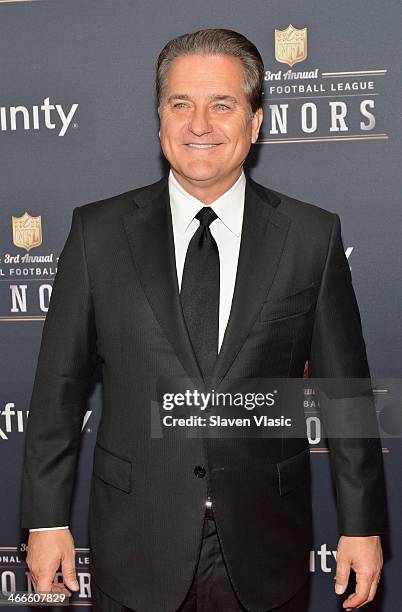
338	351
66	361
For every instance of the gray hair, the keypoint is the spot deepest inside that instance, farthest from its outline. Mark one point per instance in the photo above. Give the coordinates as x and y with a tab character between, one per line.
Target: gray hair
215	41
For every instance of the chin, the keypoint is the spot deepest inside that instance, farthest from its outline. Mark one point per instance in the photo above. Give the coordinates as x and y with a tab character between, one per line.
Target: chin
199	172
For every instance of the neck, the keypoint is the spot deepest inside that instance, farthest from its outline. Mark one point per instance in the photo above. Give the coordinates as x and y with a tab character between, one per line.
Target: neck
206	192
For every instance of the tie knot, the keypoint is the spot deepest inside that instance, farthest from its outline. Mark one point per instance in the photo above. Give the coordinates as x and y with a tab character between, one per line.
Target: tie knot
206	215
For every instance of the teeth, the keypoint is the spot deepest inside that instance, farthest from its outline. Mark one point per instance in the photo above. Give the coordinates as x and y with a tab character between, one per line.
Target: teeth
202	146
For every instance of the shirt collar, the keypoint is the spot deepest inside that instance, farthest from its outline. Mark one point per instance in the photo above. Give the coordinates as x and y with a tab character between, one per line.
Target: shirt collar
229	206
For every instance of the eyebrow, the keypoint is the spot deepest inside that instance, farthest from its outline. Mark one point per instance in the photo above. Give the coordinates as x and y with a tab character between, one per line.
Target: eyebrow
212	98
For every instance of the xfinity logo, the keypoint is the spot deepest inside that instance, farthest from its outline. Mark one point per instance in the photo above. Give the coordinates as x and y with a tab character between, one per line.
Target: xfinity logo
323	559
50	116
14	421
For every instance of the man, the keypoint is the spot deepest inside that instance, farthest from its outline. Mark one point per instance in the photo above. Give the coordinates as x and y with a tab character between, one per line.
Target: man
206	275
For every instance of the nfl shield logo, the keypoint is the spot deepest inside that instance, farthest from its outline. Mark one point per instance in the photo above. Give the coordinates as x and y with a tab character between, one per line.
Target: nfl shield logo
27	231
290	45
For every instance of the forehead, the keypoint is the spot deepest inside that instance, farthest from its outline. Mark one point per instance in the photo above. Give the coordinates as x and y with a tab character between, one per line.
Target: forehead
204	73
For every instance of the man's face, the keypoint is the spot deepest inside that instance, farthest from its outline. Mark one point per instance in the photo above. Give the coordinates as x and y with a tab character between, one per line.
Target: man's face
205	125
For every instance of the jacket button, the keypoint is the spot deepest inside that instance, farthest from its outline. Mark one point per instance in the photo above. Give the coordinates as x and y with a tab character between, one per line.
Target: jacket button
199	471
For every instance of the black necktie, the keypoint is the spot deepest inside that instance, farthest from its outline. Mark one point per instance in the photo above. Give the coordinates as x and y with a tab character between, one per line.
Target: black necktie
200	292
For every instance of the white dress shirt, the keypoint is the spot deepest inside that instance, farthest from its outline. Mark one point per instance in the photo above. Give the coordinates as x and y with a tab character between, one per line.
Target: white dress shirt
226	230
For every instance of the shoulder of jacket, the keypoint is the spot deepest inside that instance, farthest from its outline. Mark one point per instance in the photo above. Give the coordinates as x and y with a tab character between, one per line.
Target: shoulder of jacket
306	214
116	205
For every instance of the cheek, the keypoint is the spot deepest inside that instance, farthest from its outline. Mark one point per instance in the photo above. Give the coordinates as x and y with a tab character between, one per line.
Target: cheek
238	130
172	127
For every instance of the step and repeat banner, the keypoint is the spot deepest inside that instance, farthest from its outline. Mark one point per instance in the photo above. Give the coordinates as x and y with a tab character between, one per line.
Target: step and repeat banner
78	123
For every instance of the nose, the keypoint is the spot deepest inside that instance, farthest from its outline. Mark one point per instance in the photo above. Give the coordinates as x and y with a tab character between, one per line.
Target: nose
199	124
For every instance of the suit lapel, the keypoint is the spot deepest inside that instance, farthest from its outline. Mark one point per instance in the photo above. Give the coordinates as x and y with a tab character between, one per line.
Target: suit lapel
150	235
264	232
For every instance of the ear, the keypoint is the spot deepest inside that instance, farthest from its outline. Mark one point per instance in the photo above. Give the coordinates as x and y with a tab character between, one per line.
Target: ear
256	124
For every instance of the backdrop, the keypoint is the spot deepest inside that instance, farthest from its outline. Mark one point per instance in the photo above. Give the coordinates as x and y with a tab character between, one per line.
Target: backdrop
78	123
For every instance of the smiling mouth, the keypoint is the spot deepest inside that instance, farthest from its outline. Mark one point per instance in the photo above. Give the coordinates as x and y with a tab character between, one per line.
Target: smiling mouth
201	146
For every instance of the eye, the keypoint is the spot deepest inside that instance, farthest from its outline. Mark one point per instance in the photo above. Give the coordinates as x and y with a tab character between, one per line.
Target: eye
180	105
221	106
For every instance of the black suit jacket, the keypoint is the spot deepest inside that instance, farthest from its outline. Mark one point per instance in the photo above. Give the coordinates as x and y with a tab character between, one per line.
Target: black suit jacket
115	299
